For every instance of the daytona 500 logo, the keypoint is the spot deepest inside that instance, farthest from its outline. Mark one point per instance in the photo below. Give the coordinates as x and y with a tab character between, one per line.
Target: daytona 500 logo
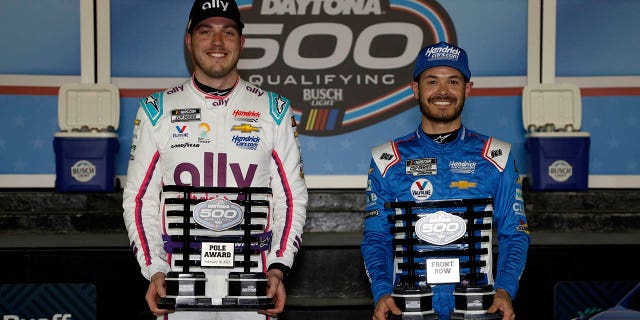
344	64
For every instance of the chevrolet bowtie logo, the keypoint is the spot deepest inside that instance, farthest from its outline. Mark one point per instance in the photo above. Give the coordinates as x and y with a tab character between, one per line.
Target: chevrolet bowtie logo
463	184
245	128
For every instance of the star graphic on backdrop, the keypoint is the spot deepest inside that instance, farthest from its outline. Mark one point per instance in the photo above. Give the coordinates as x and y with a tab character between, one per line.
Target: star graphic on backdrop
613	143
19	165
632	122
20	121
362	166
310	145
346	144
504	121
632	165
328	167
37	143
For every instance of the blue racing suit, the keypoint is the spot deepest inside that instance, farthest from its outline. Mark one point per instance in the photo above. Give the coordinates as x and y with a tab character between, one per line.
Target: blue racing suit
416	168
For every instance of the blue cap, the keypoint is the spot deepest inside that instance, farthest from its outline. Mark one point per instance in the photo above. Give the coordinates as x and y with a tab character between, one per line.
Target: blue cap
442	54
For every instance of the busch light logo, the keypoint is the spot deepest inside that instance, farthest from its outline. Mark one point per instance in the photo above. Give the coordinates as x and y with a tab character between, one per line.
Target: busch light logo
218	214
560	171
440	228
83	170
344	65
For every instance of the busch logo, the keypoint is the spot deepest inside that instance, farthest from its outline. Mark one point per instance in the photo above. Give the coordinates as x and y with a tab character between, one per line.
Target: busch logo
83	170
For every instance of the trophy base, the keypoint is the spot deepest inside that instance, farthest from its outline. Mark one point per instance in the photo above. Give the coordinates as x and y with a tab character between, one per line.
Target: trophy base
204	304
415	303
413	316
186	292
475	316
472	303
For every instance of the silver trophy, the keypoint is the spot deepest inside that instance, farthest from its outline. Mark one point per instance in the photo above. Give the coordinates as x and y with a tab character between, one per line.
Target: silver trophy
443	242
215	227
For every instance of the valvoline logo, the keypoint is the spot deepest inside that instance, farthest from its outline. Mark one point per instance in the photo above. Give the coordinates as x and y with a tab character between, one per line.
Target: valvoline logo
421	189
344	65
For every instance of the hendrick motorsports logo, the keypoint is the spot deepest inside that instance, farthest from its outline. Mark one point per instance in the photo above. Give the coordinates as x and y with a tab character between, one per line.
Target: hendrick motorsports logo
344	64
218	214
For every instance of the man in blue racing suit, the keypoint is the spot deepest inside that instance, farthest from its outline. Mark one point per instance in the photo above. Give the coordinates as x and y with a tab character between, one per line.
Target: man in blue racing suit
443	160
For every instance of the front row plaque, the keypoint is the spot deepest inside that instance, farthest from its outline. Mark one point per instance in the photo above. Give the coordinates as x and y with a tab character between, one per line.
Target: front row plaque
216	228
443	242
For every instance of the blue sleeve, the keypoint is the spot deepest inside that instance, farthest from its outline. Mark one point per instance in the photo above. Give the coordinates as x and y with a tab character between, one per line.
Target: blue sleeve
376	247
512	229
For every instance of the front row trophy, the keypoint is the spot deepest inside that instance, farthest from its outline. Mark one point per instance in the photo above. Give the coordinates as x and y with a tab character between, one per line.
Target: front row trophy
213	228
442	242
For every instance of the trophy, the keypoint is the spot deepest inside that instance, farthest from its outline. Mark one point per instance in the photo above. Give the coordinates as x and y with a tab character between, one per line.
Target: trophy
443	242
213	227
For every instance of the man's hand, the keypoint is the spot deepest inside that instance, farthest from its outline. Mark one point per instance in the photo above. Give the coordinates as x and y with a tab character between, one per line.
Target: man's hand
502	302
156	290
384	306
275	291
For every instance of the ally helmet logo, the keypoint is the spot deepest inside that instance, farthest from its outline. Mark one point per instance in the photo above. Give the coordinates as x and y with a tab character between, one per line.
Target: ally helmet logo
440	228
218	214
344	65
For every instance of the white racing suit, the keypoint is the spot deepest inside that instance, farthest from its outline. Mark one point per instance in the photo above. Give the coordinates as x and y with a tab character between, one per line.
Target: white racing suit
183	136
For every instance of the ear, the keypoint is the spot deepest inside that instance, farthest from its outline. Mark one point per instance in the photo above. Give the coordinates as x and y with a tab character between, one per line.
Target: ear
415	89
467	89
187	41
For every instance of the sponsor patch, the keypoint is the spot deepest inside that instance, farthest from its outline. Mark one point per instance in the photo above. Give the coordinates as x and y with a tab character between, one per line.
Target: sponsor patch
465	167
245	128
246	115
371	213
185	115
421	167
462	184
180	132
204	130
421	189
246	142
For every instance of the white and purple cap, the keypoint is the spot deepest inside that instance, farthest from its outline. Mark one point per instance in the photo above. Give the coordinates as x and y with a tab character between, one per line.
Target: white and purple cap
442	54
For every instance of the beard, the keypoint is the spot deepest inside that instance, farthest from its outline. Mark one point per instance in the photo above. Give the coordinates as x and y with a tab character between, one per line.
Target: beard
446	116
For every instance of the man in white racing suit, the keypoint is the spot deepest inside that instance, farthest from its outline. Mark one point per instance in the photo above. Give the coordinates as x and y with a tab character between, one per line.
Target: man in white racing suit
214	130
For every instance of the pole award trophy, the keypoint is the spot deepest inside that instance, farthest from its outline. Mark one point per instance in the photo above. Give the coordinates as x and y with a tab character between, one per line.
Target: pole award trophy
215	228
443	242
